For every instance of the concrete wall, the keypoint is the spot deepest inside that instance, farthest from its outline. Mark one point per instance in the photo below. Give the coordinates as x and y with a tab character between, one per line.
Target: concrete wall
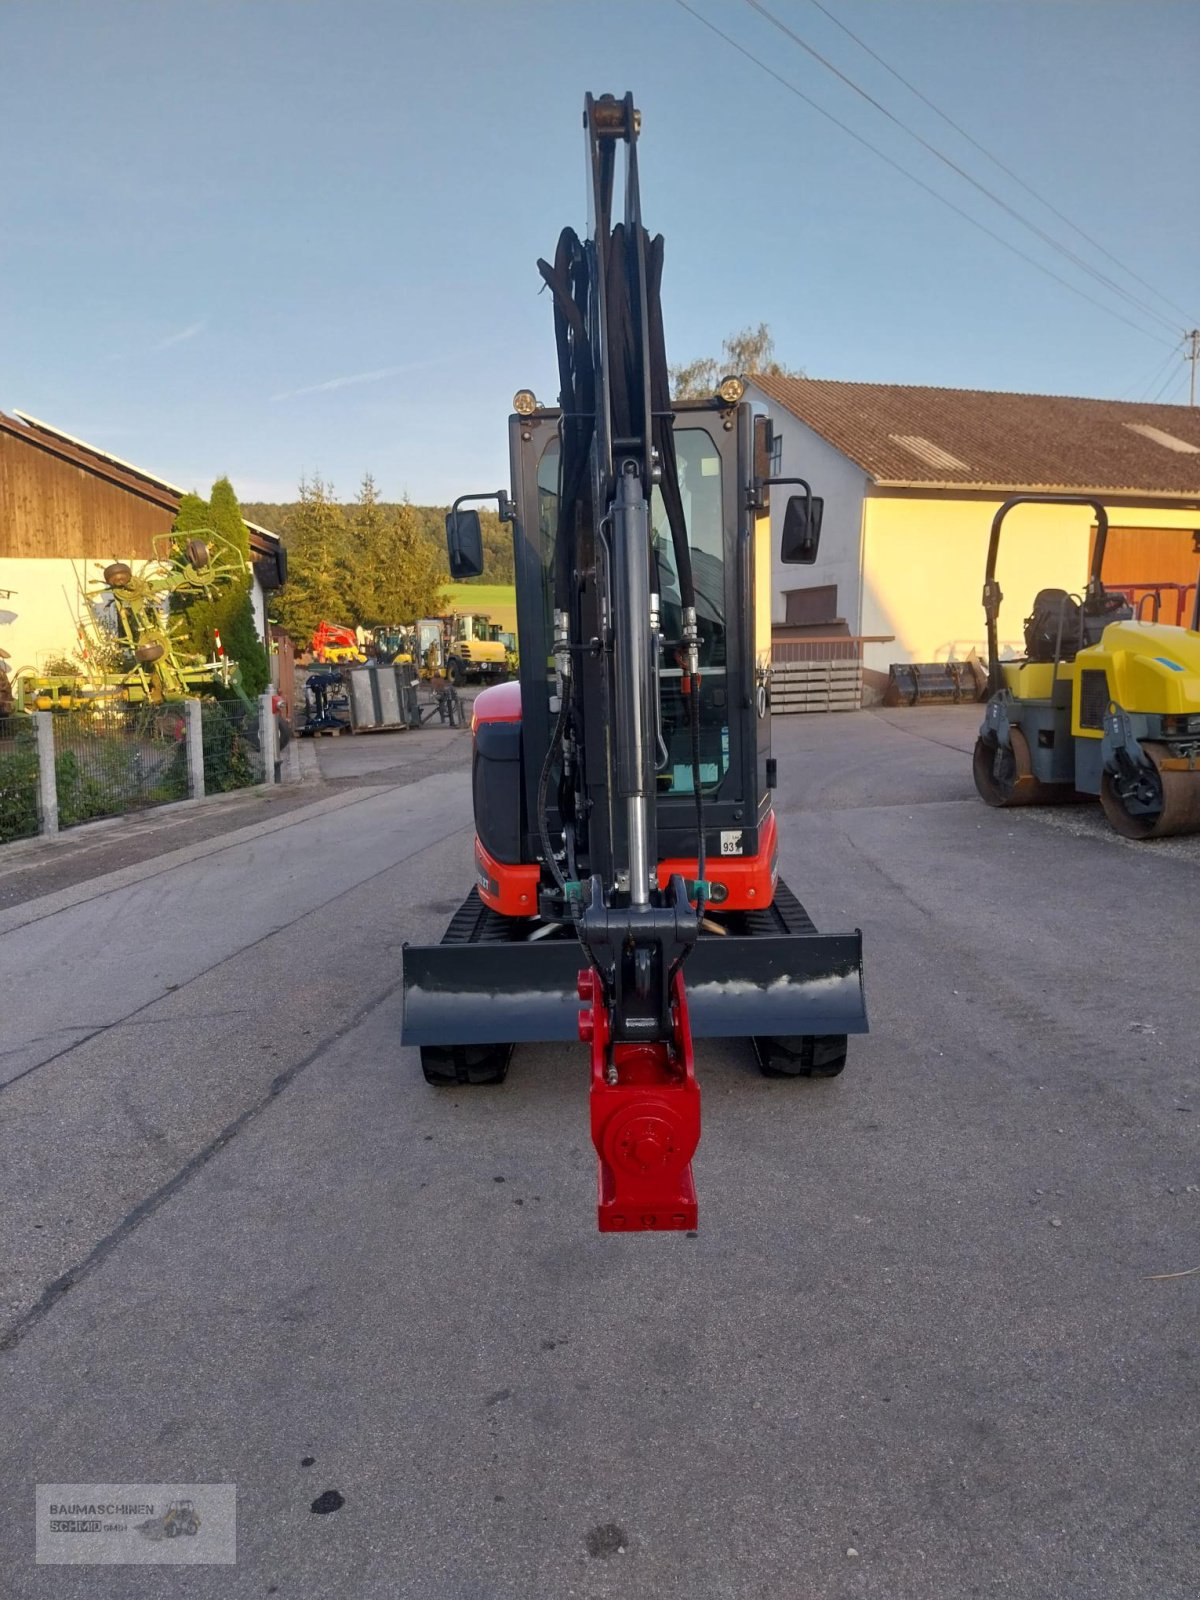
843	487
259	601
923	562
47	606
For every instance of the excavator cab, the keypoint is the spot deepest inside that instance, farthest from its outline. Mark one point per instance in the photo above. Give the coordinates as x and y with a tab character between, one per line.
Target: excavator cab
714	446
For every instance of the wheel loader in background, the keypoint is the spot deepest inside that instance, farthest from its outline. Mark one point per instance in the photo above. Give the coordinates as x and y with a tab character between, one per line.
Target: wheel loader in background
627	853
394	646
474	650
1100	703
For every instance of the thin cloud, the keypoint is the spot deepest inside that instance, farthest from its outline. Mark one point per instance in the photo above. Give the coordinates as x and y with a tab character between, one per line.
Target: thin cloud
190	332
377	376
272	490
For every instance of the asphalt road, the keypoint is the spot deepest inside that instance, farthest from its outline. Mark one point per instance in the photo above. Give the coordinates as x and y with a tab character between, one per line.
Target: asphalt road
916	1350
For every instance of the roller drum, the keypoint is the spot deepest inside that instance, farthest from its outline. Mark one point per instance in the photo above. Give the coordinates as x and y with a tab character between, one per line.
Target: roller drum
1173	780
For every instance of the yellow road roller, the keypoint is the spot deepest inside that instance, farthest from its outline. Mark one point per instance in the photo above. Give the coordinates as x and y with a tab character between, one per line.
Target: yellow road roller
1100	703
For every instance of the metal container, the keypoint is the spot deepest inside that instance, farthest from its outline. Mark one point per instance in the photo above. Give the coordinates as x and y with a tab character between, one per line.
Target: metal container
387	696
364	702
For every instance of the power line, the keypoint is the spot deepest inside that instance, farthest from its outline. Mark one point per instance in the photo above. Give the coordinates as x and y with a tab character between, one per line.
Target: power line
920	182
1171	378
1193	356
1047	238
995	160
1139	391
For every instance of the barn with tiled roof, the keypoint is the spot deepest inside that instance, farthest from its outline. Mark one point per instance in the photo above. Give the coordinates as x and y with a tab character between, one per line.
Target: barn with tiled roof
911	477
66	508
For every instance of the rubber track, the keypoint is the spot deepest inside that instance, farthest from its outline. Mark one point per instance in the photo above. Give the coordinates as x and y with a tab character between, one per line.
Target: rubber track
475	923
785	914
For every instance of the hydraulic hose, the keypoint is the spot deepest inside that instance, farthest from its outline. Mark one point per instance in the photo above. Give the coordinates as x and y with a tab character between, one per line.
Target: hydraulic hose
701	860
553	750
663	423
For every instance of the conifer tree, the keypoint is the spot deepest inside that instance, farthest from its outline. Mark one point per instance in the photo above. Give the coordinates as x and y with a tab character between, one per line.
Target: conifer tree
394	569
229	612
316	537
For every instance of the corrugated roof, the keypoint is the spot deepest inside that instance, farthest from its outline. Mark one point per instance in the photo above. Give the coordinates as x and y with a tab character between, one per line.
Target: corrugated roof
999	441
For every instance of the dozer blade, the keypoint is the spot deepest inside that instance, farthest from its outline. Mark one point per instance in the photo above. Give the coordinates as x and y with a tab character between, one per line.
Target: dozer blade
738	986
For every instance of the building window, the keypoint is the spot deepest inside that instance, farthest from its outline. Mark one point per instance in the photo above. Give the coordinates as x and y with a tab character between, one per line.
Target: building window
776	454
808	607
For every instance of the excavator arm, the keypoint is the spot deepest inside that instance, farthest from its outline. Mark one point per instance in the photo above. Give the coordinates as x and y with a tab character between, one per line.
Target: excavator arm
635	937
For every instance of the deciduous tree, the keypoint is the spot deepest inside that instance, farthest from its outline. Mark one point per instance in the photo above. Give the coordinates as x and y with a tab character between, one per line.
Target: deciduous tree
750	351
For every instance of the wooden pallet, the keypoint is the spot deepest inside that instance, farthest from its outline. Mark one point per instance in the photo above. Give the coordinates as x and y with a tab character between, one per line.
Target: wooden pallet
812	686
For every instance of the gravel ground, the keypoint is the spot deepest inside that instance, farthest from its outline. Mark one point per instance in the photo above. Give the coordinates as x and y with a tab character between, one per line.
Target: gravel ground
919	1348
40	867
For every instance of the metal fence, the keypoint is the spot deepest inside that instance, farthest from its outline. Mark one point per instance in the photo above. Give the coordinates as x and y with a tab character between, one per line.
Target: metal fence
62	768
233	757
827	647
19	817
821	673
110	762
1159	602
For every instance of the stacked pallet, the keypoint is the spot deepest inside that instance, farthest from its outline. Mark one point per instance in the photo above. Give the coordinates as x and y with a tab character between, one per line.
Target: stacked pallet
816	686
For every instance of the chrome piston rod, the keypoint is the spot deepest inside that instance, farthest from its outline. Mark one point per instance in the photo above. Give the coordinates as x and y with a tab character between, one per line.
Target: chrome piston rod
634	677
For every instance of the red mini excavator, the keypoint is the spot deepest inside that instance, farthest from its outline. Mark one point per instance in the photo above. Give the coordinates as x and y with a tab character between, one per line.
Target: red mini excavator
626	849
333	642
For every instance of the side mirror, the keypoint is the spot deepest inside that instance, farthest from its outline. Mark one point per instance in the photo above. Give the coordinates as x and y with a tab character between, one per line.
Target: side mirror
464	544
802	529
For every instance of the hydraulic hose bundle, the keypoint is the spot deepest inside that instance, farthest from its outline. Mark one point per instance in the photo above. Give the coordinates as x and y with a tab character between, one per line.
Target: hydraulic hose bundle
570	280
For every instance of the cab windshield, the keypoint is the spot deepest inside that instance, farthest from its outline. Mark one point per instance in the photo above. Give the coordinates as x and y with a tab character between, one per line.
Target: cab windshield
701	488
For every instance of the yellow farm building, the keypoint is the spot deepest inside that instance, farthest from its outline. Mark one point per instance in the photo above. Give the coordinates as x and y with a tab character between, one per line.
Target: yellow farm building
911	479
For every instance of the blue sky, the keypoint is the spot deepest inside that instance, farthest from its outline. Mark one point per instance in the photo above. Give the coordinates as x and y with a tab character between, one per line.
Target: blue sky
271	238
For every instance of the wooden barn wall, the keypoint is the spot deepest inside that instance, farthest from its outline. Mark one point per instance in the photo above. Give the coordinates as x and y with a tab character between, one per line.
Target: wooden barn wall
50	507
1149	555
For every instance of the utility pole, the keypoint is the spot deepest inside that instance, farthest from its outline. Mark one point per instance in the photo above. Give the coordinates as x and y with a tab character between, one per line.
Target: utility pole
1193	355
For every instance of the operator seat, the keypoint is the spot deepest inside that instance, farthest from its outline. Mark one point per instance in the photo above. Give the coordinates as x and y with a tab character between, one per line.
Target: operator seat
1052	609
